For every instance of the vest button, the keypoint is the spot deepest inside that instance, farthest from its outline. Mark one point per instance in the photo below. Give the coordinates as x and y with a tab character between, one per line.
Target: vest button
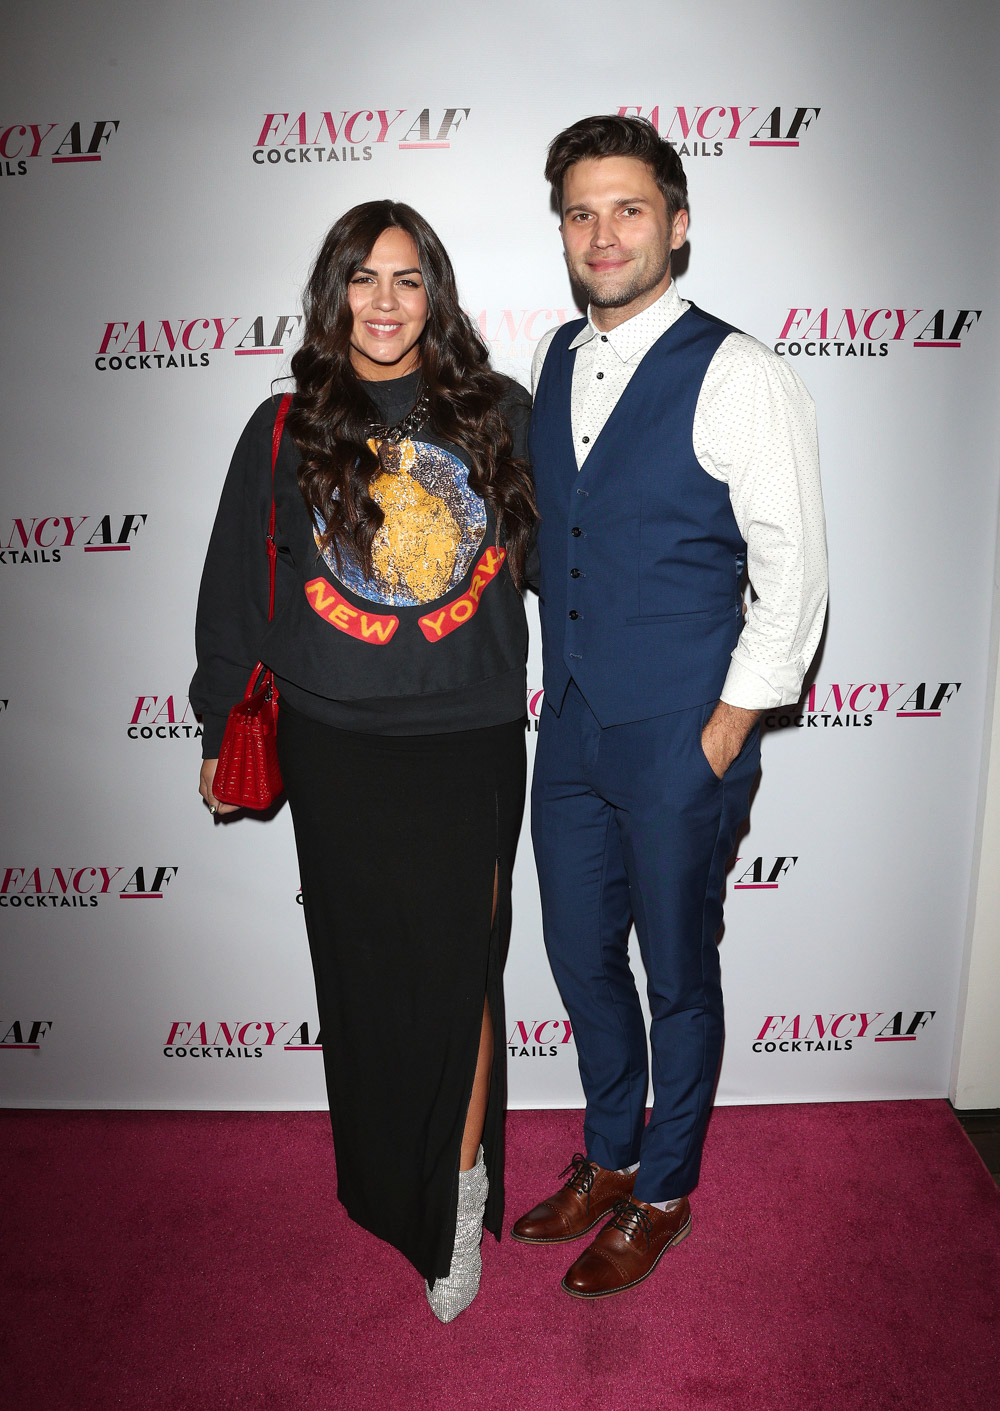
573	614
574	573
576	531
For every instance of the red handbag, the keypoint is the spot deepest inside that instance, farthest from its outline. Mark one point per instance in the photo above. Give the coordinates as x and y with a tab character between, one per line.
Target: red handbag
247	773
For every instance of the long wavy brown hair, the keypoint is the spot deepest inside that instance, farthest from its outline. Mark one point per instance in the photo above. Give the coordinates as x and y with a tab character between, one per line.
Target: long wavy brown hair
332	412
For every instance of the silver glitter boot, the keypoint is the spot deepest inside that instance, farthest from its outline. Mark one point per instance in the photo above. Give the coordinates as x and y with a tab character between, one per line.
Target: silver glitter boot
453	1294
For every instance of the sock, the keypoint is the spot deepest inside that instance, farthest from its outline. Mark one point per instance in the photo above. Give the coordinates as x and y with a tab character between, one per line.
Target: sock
663	1205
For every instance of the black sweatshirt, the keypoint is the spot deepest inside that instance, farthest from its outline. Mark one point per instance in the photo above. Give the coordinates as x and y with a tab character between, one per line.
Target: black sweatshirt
434	641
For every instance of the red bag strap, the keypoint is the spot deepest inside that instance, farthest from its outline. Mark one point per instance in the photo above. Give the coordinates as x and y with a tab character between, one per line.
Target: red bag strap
272	552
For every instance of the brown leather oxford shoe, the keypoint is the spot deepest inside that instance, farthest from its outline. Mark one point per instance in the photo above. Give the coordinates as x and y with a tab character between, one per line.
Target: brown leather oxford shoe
583	1202
628	1249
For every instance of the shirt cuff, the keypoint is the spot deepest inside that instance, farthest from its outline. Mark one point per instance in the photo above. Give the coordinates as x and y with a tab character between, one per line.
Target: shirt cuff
753	690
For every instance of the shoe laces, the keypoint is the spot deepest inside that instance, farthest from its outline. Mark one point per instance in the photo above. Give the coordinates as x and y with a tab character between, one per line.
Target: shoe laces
584	1174
632	1220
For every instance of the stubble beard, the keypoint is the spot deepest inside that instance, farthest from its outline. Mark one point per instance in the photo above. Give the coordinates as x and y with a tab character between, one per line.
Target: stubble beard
635	286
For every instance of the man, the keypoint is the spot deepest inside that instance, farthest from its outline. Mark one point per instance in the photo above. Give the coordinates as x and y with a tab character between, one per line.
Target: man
671	452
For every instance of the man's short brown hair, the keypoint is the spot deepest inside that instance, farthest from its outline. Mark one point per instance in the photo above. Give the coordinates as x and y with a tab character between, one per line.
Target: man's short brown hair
611	136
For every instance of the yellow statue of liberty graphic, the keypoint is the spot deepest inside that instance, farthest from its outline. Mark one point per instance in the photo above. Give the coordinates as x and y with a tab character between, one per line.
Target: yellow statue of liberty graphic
419	541
433	526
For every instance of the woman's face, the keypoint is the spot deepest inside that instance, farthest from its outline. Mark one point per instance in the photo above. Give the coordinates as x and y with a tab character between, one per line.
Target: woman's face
389	304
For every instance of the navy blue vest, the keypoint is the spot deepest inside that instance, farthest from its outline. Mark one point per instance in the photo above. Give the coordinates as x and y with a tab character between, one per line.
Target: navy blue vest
640	554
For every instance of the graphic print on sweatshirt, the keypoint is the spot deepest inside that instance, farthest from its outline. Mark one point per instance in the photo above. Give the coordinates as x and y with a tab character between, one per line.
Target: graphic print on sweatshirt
434	524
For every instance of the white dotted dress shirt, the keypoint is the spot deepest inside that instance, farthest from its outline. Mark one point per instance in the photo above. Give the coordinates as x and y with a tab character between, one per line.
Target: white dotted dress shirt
755	430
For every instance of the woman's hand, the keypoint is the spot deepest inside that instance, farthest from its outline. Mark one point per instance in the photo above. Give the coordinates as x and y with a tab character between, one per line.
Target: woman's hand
208	768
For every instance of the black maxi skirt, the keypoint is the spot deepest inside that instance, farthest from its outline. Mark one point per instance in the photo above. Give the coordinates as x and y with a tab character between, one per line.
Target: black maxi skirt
399	839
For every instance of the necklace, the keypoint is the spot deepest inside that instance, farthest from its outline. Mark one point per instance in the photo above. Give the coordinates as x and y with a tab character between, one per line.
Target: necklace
413	421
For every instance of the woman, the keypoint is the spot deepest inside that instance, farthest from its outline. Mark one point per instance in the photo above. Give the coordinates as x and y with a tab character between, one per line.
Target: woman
398	643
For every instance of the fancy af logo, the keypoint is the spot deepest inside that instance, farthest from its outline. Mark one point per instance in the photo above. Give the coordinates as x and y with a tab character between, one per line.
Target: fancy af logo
539	1038
870	332
312	138
51	888
163	718
761	873
709	130
23	1033
58	143
848	705
237	1038
515	333
838	1033
47	538
157	345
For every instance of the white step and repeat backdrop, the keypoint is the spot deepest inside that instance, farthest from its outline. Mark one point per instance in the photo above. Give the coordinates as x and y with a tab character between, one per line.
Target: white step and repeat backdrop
166	175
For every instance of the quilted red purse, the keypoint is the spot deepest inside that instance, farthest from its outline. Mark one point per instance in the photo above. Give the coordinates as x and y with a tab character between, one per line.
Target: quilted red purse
247	773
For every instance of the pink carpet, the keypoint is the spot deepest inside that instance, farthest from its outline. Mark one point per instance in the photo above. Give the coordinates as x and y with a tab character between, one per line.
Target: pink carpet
842	1256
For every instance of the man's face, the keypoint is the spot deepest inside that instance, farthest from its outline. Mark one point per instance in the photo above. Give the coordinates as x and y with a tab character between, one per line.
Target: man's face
616	233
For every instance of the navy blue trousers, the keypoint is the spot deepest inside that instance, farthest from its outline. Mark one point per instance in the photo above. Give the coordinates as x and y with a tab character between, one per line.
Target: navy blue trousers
630	823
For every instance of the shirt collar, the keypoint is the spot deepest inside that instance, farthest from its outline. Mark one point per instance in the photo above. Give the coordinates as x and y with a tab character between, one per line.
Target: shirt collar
633	338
